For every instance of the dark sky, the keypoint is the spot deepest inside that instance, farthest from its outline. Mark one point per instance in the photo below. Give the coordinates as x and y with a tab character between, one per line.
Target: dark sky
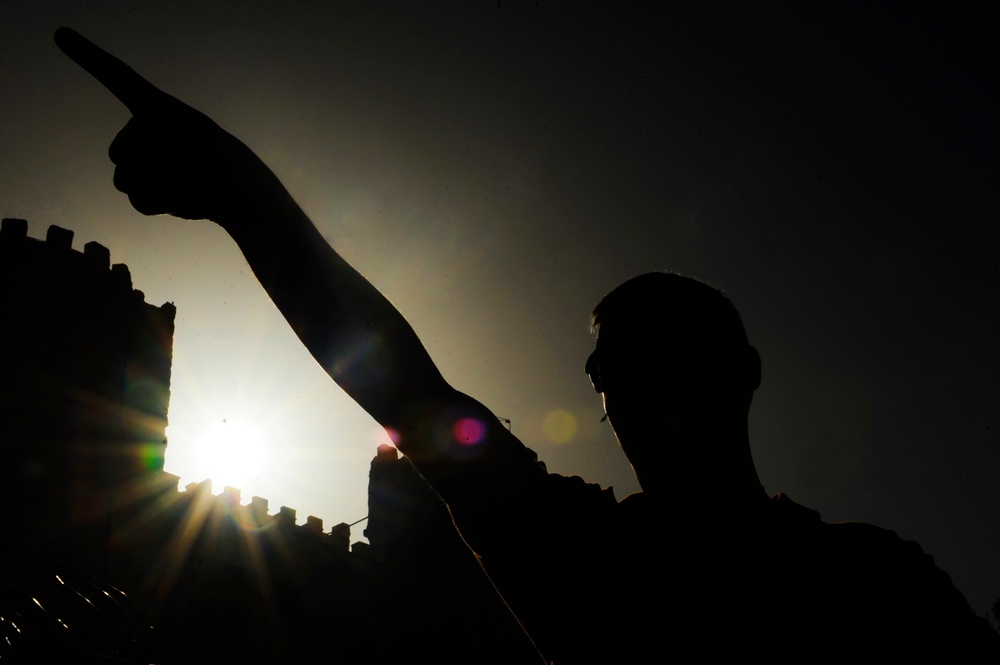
496	168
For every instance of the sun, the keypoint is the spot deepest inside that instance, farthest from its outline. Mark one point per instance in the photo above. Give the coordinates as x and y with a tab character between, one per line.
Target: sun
231	453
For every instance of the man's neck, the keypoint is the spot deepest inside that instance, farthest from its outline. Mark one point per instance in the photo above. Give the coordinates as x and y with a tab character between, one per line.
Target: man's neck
726	484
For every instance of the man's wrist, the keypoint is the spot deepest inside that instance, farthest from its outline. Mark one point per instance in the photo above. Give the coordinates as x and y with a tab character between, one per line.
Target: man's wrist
263	207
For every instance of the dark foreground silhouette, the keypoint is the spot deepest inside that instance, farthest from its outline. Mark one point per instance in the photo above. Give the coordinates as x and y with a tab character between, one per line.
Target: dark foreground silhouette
713	566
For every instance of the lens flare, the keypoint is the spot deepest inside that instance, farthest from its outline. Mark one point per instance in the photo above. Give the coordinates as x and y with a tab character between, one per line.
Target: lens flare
560	426
468	431
393	435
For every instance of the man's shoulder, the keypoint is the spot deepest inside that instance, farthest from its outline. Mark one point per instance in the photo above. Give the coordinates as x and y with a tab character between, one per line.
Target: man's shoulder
574	491
849	544
850	540
874	580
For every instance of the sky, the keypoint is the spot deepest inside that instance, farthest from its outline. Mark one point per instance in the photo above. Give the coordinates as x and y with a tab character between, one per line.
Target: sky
495	168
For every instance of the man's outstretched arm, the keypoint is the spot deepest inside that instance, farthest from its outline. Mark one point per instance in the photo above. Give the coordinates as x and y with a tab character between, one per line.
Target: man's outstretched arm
172	159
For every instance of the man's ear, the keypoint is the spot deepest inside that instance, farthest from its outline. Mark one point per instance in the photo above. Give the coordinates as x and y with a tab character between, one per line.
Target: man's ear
752	368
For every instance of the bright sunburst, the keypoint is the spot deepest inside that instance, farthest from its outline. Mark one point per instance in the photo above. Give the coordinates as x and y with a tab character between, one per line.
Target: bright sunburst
230	453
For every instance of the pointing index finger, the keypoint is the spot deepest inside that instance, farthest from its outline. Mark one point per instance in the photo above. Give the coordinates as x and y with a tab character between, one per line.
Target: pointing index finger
135	92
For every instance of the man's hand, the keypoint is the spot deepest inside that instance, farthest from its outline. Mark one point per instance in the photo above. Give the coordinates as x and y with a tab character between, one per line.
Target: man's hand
170	158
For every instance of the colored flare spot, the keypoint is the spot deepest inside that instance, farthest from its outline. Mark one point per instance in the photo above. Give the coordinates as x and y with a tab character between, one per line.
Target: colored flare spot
393	435
560	425
468	431
152	456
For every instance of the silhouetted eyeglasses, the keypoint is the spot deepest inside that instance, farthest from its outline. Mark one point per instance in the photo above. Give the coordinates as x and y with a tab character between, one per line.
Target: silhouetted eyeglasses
593	369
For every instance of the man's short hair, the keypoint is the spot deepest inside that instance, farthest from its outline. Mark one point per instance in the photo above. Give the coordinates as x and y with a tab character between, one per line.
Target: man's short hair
674	306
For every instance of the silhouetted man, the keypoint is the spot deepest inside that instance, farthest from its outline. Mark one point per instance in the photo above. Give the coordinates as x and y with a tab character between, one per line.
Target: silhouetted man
712	566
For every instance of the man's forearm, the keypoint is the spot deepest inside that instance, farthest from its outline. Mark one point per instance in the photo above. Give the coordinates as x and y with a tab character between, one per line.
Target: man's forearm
349	327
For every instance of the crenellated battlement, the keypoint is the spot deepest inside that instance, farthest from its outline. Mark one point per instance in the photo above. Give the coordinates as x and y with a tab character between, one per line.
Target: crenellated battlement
256	515
56	252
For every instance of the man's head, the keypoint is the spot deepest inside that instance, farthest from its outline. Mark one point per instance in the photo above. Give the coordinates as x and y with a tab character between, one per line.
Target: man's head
672	362
665	308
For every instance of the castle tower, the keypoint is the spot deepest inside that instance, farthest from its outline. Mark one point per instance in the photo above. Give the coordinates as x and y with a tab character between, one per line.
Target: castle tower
84	383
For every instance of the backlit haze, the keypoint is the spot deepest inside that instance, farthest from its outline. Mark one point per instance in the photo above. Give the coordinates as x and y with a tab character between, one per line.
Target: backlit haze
496	169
